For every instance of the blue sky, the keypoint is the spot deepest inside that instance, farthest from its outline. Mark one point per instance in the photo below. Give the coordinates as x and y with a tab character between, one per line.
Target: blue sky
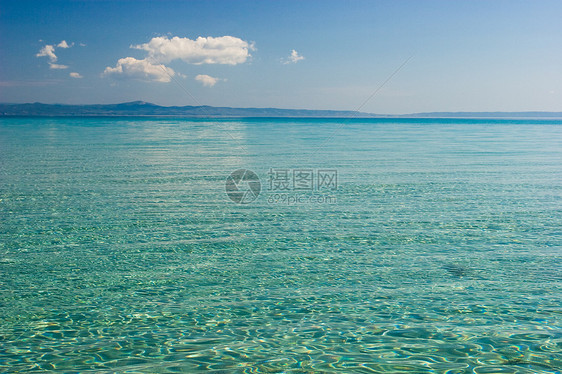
465	55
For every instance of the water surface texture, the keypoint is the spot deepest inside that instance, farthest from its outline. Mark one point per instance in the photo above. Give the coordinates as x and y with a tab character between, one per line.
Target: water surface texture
438	252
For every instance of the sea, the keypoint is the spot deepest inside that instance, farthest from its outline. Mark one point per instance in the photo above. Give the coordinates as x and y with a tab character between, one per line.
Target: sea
280	245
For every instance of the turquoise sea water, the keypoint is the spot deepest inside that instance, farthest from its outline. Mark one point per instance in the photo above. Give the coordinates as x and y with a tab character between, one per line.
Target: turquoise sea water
439	250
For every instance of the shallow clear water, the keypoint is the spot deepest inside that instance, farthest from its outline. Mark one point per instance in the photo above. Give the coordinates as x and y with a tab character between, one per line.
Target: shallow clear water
439	251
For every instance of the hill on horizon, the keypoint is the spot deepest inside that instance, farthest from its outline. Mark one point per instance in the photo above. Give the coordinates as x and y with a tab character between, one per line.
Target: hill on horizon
142	108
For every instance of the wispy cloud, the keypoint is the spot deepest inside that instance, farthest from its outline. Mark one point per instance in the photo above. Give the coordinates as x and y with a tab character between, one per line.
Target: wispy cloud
293	58
75	75
132	68
226	50
57	66
206	80
49	82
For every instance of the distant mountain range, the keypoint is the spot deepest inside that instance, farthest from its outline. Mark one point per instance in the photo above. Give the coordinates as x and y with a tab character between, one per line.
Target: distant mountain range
141	108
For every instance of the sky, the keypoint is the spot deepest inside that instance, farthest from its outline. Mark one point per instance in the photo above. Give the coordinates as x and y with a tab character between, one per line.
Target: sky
387	57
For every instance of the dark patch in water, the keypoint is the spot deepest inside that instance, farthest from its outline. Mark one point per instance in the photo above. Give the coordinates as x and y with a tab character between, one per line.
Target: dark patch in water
522	362
456	270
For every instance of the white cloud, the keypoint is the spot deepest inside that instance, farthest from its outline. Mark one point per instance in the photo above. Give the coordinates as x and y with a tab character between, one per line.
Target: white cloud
64	44
130	67
227	50
207	80
48	51
293	58
75	75
57	66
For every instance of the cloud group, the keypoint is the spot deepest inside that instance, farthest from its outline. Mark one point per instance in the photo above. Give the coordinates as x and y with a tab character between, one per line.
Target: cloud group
49	51
226	50
293	58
